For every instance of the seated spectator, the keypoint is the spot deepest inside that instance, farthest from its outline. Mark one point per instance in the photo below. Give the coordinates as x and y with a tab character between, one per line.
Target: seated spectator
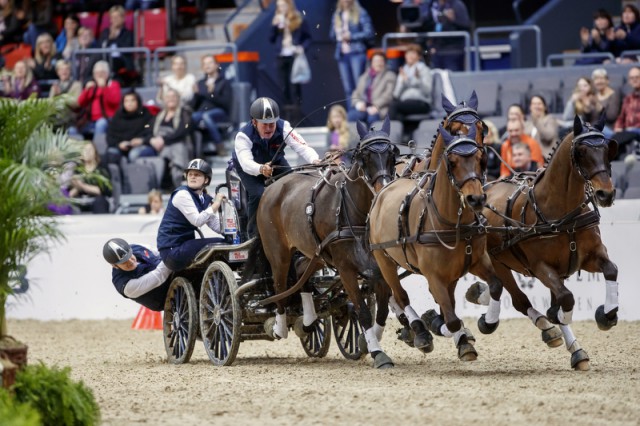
597	40
170	135
627	34
516	135
541	126
521	158
583	102
89	187
70	89
412	92
212	101
493	144
339	136
21	84
85	61
608	98
117	36
448	15
13	22
67	40
155	205
179	80
100	98
374	91
627	126
129	131
44	61
515	112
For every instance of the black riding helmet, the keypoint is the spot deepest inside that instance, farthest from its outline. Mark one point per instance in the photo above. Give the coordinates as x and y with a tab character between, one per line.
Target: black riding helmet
201	166
265	110
116	251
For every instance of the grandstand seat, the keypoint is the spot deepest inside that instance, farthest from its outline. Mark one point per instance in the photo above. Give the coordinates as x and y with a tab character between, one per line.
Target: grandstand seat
512	92
14	52
548	87
139	178
152	29
158	164
395	132
425	132
487	92
90	20
116	185
129	21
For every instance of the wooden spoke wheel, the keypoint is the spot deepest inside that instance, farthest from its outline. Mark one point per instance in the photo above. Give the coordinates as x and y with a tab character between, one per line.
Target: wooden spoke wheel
220	314
316	344
347	329
180	324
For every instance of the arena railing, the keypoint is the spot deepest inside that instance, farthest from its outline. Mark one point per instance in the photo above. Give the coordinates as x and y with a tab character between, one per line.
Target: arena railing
110	51
211	47
504	29
591	55
627	53
446	34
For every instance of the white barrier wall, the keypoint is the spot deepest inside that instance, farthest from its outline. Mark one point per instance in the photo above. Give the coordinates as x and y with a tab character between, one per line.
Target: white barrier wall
74	281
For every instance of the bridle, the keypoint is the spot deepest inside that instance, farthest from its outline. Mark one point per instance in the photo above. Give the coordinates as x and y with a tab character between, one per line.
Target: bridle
378	146
593	139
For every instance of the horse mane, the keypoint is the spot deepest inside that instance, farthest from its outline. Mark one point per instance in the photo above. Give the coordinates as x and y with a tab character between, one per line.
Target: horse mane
553	150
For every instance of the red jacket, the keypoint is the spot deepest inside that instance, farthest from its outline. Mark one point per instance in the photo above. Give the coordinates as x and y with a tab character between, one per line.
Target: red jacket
505	153
108	96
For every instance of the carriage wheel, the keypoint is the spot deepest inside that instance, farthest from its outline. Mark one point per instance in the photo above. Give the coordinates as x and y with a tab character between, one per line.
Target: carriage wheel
347	329
316	344
220	314
180	325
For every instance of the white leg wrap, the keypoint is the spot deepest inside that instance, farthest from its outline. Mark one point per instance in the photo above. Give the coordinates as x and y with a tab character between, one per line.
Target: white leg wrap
538	319
372	340
280	327
484	297
445	331
565	317
569	339
611	300
458	334
411	314
493	313
308	309
395	308
378	330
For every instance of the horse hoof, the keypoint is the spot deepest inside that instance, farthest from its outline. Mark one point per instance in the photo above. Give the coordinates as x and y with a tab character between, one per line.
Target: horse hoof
606	321
485	327
580	360
298	328
552	314
382	361
473	293
405	334
362	344
552	337
268	328
424	342
433	321
466	352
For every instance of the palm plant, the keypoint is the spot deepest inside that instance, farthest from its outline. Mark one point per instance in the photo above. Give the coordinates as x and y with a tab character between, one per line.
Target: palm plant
32	156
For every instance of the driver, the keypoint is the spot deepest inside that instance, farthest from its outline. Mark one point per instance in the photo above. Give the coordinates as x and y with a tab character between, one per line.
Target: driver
190	207
257	153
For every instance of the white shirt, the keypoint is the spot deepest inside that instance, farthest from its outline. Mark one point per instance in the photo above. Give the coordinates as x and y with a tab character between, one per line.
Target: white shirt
183	86
293	139
183	202
143	285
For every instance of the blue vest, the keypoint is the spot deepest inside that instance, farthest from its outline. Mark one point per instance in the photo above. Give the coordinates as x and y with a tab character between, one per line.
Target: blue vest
263	150
147	262
175	229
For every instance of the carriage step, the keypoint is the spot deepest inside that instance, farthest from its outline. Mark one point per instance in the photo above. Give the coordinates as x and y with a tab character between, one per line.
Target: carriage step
261	336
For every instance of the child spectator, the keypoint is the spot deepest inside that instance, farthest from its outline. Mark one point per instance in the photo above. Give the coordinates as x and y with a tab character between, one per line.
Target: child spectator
21	84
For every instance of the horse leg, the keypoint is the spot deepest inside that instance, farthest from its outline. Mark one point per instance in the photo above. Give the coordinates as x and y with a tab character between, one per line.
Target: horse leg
277	328
607	314
405	333
579	357
306	324
488	323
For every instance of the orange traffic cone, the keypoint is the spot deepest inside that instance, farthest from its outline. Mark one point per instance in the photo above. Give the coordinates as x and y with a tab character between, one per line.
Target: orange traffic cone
147	320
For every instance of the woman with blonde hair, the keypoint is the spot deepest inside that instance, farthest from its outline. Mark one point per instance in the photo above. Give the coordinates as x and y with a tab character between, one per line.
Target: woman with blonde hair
179	80
583	102
44	61
493	144
351	29
338	137
155	204
21	84
608	98
290	33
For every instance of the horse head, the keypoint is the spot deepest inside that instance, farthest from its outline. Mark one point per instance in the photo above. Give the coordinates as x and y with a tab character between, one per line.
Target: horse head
375	155
465	161
591	156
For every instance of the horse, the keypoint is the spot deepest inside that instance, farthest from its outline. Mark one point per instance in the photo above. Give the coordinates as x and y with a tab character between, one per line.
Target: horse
431	226
324	218
542	226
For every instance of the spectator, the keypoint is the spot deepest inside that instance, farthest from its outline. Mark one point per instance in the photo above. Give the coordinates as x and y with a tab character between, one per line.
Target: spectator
493	144
21	84
179	80
88	187
44	61
70	89
351	29
117	36
583	102
521	158
608	98
212	101
41	16
13	22
155	205
101	98
448	15
412	92
290	33
515	112
542	126
338	137
627	126
598	39
129	129
374	91
627	34
516	135
85	61
67	40
170	135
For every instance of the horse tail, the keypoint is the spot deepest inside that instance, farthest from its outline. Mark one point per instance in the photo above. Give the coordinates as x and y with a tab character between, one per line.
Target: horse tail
257	263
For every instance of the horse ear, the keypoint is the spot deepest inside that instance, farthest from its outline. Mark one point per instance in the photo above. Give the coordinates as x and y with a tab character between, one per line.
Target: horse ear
577	125
601	120
362	129
446	136
447	105
473	100
386	125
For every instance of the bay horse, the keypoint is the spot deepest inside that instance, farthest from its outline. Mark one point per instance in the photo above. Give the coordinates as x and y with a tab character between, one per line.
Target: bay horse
543	227
432	226
324	218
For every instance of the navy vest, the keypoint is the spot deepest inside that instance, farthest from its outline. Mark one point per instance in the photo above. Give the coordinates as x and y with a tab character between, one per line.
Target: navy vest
263	150
175	229
147	262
